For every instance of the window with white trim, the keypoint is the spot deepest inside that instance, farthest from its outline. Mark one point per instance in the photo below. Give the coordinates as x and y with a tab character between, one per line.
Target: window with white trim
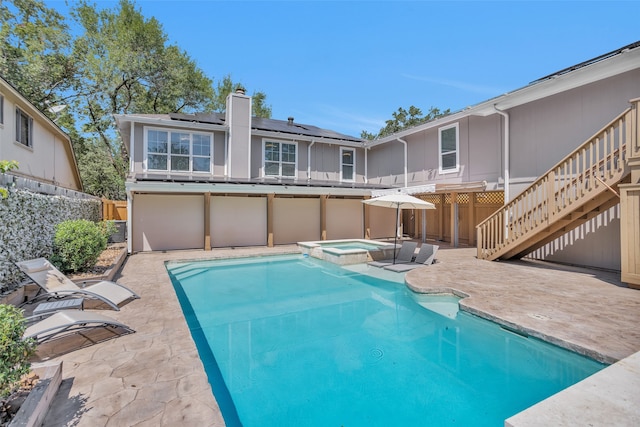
347	164
448	148
177	151
280	159
1	109
24	128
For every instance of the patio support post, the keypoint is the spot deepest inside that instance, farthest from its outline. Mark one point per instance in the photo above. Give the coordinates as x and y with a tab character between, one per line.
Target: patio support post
454	219
207	221
367	220
270	198
323	217
129	222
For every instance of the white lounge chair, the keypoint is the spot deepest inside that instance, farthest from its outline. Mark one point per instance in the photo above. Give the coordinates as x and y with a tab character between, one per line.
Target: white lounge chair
404	255
425	256
56	285
69	322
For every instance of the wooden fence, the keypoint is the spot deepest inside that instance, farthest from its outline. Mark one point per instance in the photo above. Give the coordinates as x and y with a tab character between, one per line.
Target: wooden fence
114	210
472	208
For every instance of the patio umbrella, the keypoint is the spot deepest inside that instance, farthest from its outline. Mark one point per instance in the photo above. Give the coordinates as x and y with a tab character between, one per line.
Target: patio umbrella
399	201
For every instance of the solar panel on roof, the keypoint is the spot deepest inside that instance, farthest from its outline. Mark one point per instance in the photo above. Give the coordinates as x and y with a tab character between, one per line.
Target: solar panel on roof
270	125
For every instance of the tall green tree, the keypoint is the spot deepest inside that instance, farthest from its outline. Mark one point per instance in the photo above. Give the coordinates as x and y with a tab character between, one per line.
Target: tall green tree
124	65
34	51
404	119
119	62
224	87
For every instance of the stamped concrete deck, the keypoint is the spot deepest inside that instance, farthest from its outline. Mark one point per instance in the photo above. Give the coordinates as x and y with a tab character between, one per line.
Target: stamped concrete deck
155	378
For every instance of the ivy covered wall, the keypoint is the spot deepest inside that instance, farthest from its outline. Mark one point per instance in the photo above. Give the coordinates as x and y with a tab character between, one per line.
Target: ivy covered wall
27	227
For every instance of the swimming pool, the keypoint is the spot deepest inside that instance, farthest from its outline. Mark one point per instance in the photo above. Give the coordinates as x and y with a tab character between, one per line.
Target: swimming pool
289	340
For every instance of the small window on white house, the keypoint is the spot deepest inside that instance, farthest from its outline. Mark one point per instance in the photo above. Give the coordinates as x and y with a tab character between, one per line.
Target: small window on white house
24	128
347	164
280	159
1	109
448	148
177	151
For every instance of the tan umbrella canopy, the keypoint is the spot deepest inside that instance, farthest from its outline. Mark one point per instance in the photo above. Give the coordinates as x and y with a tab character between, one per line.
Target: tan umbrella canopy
399	201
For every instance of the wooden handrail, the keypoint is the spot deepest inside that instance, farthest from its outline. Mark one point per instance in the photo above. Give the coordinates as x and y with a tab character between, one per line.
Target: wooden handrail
577	176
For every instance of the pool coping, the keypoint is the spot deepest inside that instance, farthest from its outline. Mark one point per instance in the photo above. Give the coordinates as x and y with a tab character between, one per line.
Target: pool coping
154	357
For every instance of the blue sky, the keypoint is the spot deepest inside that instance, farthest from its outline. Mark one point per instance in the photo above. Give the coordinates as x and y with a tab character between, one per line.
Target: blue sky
348	65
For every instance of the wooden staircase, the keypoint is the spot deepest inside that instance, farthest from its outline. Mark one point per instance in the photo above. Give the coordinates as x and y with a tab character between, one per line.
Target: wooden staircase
578	188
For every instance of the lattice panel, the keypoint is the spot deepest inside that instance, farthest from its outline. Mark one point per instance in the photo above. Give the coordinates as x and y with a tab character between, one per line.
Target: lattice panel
463	198
431	198
490	198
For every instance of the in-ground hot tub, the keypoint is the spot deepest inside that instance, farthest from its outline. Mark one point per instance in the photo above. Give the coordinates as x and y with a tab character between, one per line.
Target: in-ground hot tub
348	251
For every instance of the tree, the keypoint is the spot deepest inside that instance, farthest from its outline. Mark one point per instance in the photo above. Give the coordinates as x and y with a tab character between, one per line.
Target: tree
124	65
226	86
403	119
119	63
34	51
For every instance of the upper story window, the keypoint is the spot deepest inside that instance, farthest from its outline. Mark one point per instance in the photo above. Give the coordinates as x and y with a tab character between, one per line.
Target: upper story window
347	164
177	151
280	159
448	148
1	109
24	128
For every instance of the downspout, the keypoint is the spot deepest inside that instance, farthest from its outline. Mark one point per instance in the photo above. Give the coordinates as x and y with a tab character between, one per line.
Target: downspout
313	141
366	165
406	173
132	148
226	153
506	154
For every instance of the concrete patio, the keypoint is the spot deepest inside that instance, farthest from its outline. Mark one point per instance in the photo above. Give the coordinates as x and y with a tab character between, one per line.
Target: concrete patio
154	377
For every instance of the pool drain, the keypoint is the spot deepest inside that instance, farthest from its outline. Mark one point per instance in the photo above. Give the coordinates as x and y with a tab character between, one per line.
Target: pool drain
376	354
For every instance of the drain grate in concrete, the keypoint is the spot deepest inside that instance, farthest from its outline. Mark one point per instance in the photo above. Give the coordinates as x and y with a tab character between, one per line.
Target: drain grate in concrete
539	316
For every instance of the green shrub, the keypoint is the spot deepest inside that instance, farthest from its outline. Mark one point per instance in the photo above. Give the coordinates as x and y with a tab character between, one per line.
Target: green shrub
78	244
14	351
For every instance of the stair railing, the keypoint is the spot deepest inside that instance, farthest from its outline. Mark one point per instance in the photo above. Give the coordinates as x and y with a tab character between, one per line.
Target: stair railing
598	163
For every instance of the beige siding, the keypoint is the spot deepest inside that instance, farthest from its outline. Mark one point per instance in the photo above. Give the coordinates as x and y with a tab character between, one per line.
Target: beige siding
595	243
382	222
49	159
345	219
296	220
164	222
545	131
238	221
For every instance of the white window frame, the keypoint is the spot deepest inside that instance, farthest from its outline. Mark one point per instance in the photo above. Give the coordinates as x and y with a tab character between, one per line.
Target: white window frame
280	162
455	169
342	165
20	116
145	160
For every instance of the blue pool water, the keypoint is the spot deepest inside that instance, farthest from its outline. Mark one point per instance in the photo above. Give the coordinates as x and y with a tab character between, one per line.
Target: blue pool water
298	341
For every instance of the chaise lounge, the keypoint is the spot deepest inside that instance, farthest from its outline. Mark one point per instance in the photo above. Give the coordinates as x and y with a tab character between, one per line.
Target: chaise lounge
56	285
404	255
425	256
68	322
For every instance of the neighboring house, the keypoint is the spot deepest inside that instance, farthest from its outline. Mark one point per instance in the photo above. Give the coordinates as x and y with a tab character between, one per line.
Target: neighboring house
42	150
228	180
